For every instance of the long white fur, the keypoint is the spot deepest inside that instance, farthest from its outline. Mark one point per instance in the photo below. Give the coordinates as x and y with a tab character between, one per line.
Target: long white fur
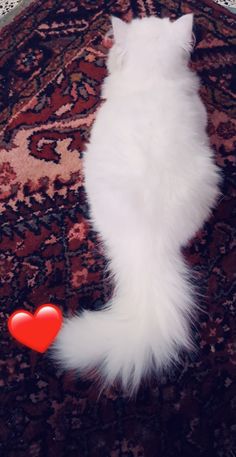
151	182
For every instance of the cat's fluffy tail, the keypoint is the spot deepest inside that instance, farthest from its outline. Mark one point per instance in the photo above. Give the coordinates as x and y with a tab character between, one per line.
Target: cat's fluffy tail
143	328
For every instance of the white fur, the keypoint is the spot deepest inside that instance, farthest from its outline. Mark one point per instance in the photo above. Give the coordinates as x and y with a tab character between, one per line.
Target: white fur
151	183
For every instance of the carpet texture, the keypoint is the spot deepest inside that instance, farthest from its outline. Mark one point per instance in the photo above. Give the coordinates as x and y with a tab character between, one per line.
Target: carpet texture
52	63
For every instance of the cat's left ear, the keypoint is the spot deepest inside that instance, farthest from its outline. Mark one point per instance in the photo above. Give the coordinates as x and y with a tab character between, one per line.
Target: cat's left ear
184	29
119	30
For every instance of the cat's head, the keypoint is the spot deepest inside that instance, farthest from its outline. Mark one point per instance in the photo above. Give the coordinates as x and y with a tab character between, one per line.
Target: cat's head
150	42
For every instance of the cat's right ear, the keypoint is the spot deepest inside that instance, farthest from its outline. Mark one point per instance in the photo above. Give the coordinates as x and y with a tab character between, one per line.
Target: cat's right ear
184	31
119	30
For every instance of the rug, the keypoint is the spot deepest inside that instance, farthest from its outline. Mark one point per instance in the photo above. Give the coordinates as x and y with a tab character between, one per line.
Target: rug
52	63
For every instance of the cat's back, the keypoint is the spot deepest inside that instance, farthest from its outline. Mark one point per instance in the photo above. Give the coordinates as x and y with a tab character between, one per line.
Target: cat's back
165	111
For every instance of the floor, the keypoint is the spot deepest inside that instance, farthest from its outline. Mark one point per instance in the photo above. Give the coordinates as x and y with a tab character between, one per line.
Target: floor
7	6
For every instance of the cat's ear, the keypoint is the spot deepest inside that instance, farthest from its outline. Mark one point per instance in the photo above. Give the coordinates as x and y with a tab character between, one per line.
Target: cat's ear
119	30
184	29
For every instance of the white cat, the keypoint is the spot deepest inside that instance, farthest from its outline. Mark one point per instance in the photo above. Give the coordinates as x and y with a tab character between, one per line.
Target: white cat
151	182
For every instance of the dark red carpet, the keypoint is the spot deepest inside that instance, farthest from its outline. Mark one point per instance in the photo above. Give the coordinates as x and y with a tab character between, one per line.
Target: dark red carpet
52	63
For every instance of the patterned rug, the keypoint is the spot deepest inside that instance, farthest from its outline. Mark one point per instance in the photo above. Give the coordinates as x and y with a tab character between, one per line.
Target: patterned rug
52	63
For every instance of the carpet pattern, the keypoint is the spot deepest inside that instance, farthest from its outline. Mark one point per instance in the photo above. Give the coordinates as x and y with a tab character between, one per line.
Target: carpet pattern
52	63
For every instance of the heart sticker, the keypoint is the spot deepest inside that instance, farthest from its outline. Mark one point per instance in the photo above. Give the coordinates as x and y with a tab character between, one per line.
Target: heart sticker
36	331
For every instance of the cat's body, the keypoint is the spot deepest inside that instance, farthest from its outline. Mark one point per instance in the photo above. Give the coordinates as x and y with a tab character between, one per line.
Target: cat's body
151	182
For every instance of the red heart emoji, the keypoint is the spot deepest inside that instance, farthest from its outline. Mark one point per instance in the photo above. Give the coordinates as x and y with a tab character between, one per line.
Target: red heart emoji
36	331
